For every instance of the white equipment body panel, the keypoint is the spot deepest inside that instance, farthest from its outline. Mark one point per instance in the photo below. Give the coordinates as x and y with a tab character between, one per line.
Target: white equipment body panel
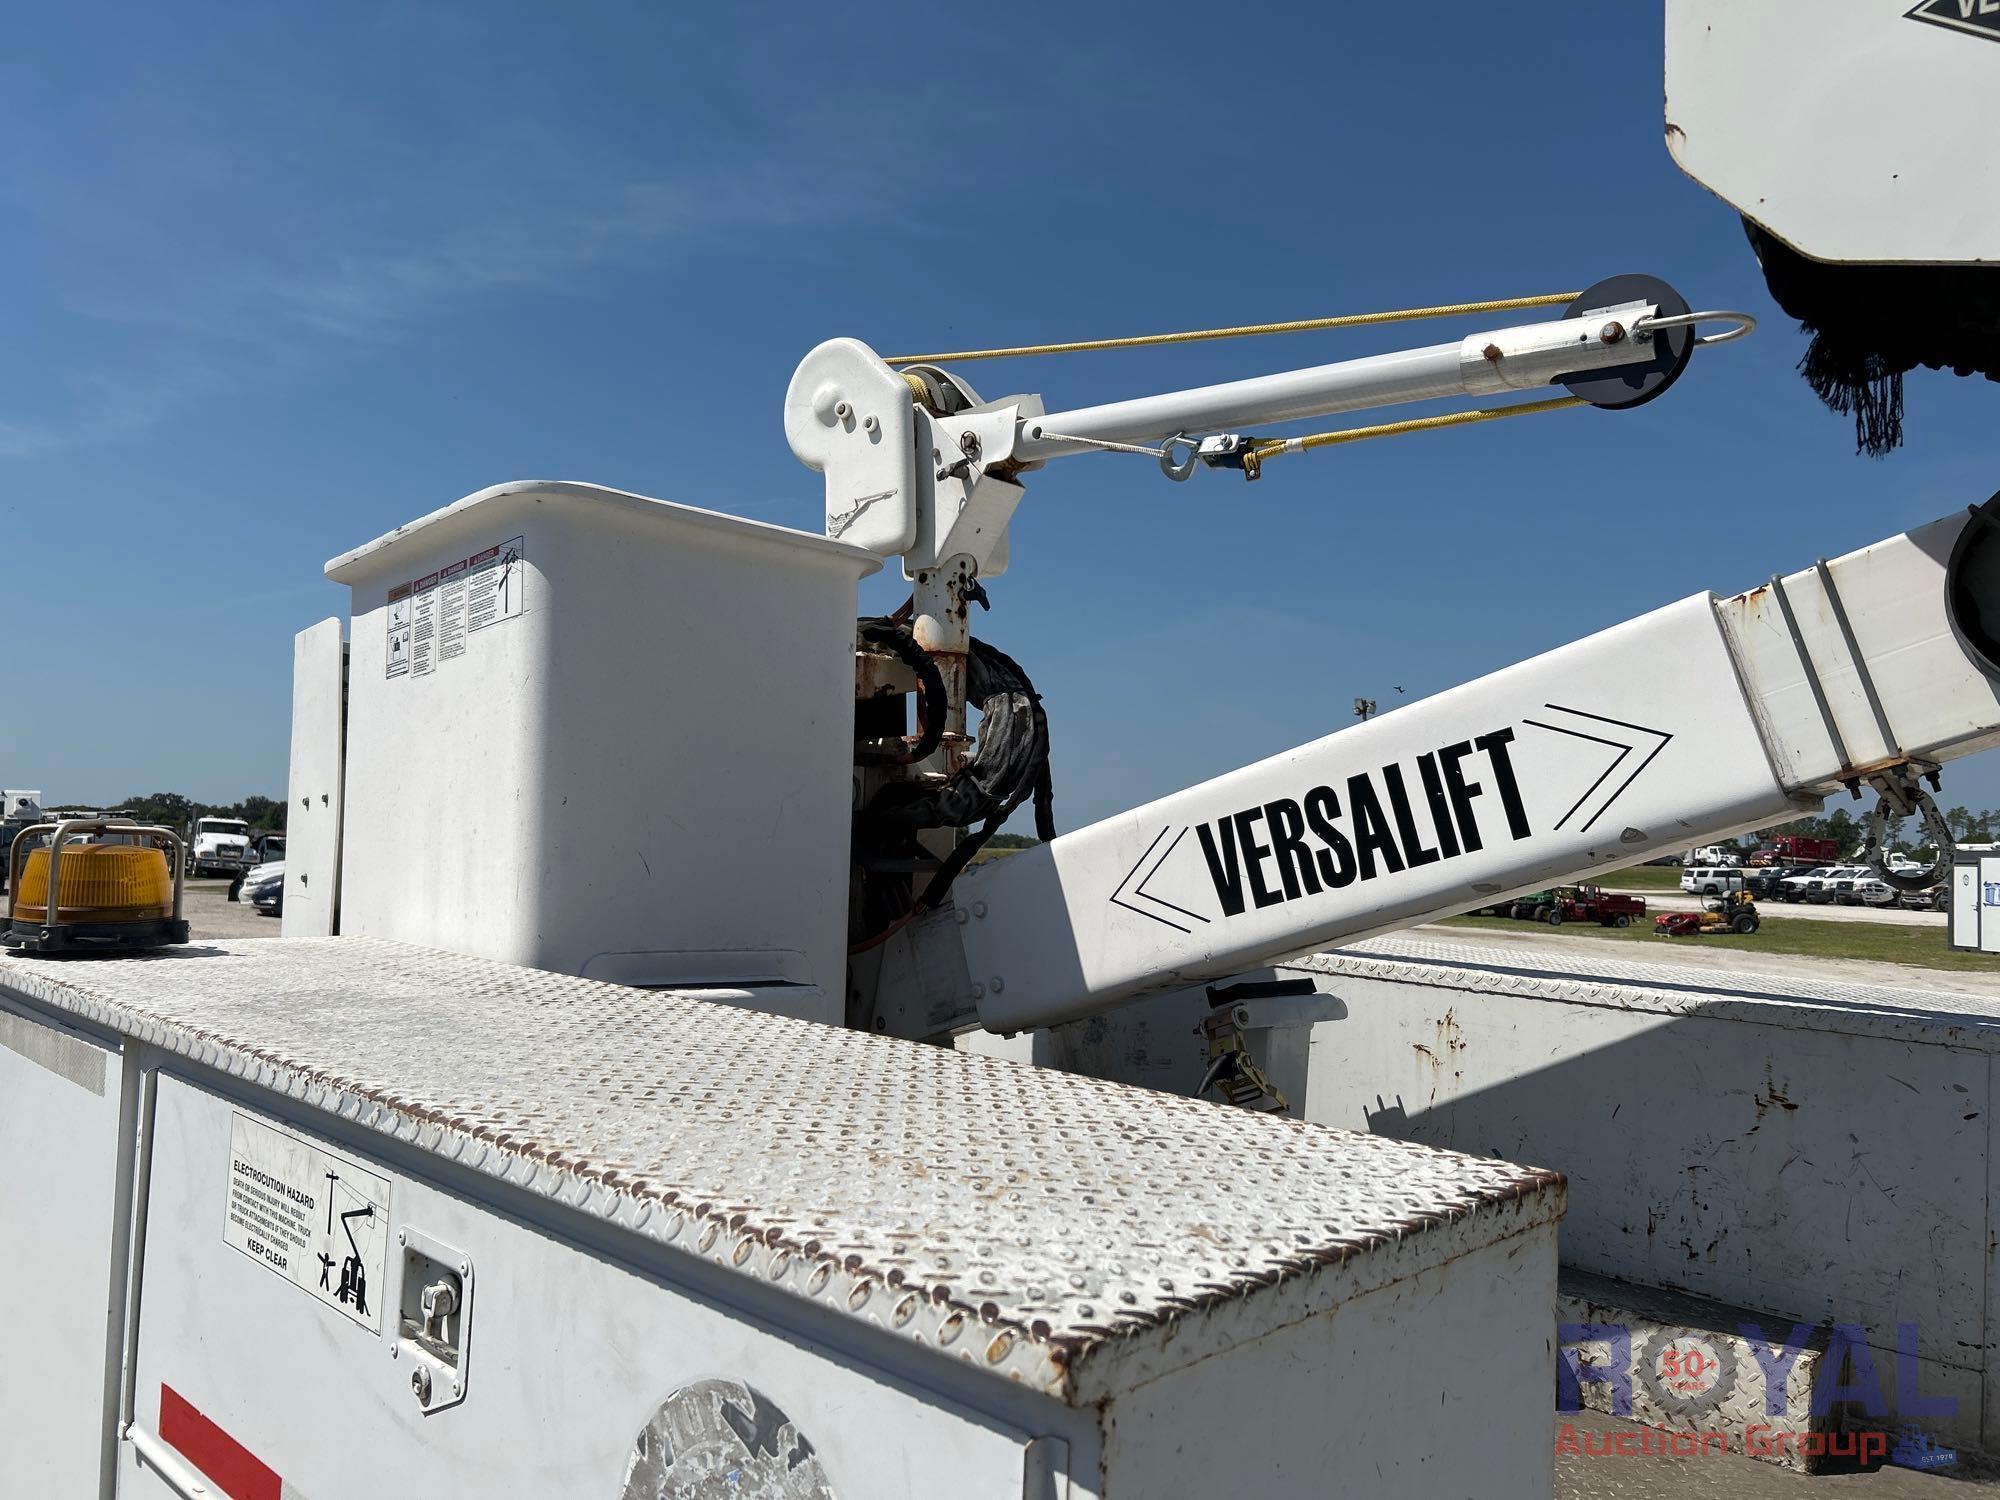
1776	1144
1850	130
846	1265
313	819
1966	890
61	1249
1989	904
564	703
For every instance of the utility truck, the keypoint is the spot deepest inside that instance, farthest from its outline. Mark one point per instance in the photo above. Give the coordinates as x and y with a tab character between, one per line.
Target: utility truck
1795	849
611	1120
218	846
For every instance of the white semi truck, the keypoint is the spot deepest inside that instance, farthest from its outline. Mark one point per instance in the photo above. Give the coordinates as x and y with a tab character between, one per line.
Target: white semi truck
588	1133
218	846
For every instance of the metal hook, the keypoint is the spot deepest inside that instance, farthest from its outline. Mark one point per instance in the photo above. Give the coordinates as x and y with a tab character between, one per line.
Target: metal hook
1178	469
1742	321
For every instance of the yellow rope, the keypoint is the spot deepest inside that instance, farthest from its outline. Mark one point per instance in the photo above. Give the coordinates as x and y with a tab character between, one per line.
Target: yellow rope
1248	330
1274	446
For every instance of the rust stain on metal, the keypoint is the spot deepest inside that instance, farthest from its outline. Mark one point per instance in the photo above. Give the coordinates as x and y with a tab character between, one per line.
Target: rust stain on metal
1492	352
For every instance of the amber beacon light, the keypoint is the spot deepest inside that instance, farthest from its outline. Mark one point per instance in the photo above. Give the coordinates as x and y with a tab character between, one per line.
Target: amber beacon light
94	885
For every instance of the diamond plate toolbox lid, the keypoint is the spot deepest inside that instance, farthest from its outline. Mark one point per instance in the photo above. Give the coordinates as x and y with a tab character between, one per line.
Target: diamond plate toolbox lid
1049	1229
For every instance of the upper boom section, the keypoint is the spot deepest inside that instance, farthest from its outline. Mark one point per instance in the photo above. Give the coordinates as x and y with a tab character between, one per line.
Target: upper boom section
917	466
1703	719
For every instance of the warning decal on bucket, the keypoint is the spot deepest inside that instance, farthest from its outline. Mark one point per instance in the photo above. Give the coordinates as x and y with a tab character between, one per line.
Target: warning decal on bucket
314	1218
432	619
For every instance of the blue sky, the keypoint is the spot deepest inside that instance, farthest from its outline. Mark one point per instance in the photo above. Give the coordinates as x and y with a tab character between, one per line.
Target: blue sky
279	278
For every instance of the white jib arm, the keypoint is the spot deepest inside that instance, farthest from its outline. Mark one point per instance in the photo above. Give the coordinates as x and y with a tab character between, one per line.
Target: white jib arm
1709	717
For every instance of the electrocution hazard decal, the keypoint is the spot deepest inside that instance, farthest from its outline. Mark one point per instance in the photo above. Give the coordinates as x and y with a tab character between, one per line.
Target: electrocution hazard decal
316	1219
433	619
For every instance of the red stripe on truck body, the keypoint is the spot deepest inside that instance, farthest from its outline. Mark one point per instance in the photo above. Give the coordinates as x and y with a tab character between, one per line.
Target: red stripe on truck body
218	1455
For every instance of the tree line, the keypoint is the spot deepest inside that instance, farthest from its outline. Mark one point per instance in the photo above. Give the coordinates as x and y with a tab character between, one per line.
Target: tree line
172	810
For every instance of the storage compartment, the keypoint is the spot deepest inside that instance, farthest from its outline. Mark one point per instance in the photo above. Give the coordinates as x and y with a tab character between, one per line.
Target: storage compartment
493	1232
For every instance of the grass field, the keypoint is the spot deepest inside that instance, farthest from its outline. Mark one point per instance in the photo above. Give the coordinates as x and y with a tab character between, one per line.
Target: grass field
1642	878
1877	942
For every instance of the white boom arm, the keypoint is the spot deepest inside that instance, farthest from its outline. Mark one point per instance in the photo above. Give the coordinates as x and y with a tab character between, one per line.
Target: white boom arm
1497	362
1699	720
930	480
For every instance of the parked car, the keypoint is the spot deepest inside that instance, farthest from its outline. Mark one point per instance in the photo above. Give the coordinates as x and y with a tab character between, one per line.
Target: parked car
1711	880
264	888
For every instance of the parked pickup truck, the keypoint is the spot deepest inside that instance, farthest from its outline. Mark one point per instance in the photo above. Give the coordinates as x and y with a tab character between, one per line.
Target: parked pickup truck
1865	889
1793	887
1827	889
1936	898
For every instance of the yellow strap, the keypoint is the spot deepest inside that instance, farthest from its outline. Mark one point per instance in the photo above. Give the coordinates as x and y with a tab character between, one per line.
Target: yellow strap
1248	330
1272	447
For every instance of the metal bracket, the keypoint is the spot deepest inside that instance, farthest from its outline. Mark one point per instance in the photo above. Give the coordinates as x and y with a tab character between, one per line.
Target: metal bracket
1901	795
1235	1010
852	418
917	985
1860	661
1826	718
963	506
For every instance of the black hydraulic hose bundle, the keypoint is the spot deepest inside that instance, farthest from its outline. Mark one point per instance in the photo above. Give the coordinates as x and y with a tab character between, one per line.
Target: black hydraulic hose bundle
1010	765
